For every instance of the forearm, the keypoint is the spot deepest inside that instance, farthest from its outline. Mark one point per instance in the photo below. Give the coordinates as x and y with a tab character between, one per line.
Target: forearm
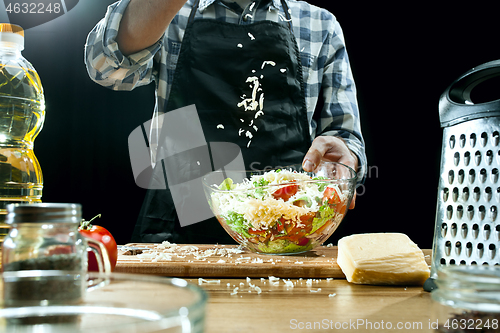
144	22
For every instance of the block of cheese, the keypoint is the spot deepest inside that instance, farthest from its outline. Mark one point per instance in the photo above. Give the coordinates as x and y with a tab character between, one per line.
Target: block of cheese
382	259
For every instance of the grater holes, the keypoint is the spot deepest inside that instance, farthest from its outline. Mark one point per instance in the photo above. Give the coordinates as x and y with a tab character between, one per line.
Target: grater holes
443	261
486	231
482	212
456	159
460	213
484	139
447	248
461	142
464	230
451	177
488	193
493	213
495	138
475	230
492	251
458	248
468	249
477	157
470	212
449	212
465	194
445	194
452	261
476	194
472	140
454	194
461	176
466	158
494	175
480	250
498	194
472	176
498	232
452	142
489	157
453	230
462	262
483	174
444	230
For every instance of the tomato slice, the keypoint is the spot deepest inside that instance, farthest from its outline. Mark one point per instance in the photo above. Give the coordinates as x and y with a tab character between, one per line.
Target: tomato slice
296	233
286	192
280	226
253	231
331	196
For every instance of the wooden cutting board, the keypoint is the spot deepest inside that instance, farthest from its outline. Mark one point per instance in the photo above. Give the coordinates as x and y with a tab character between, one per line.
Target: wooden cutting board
211	261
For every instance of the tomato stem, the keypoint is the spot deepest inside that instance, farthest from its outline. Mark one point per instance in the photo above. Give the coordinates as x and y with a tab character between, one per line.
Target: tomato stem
87	225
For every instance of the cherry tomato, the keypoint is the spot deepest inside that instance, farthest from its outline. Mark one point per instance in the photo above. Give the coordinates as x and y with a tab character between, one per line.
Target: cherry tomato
286	192
104	236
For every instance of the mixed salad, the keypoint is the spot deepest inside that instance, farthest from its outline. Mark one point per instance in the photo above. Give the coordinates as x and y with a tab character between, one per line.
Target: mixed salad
280	211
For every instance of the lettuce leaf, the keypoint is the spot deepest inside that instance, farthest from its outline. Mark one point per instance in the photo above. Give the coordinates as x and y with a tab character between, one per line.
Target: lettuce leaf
326	213
227	185
237	222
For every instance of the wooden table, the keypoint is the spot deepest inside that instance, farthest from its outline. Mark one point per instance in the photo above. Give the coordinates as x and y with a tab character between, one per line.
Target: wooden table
291	304
325	305
306	305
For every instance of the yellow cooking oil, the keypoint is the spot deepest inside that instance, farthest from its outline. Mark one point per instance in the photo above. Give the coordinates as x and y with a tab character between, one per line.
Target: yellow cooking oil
22	113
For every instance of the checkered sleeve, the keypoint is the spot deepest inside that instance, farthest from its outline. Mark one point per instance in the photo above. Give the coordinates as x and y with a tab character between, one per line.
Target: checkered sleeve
105	63
340	113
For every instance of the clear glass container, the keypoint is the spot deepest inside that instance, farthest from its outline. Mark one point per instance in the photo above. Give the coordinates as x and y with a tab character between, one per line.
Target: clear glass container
124	303
45	237
22	114
467	299
281	211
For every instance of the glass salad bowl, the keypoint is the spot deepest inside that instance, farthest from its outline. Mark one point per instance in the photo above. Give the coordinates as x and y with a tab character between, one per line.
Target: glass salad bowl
284	210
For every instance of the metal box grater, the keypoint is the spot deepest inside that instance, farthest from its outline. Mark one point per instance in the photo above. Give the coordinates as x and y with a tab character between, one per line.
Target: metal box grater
467	228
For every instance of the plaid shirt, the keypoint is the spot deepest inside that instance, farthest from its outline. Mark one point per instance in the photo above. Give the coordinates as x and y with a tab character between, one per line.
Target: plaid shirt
320	41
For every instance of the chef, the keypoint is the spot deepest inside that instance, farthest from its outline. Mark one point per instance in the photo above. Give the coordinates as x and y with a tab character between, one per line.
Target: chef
284	60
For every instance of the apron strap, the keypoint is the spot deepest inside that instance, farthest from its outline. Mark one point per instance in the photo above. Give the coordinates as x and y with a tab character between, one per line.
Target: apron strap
194	10
287	14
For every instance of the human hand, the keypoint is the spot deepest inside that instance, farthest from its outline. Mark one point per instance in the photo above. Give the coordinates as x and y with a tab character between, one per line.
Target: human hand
330	148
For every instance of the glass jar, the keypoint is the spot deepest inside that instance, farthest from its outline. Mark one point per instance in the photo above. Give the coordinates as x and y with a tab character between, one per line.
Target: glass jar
45	237
467	298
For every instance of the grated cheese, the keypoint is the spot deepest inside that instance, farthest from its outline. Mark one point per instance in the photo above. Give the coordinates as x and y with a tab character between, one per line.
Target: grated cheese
262	212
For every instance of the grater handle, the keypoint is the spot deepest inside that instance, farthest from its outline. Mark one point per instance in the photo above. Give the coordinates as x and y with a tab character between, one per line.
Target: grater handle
455	105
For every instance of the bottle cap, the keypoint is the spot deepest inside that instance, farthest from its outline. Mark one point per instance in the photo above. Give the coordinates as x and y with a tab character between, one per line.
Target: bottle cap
12	33
44	213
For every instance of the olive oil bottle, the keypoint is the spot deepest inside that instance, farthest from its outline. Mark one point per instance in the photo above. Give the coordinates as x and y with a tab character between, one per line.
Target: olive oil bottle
22	113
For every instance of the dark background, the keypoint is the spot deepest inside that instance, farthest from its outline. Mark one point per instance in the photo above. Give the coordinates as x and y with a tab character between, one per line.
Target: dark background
403	57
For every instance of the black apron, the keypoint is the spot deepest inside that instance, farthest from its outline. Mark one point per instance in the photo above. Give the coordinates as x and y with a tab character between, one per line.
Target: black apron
247	85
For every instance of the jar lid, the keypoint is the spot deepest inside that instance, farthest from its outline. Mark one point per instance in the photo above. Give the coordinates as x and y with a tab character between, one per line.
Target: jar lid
44	212
12	33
